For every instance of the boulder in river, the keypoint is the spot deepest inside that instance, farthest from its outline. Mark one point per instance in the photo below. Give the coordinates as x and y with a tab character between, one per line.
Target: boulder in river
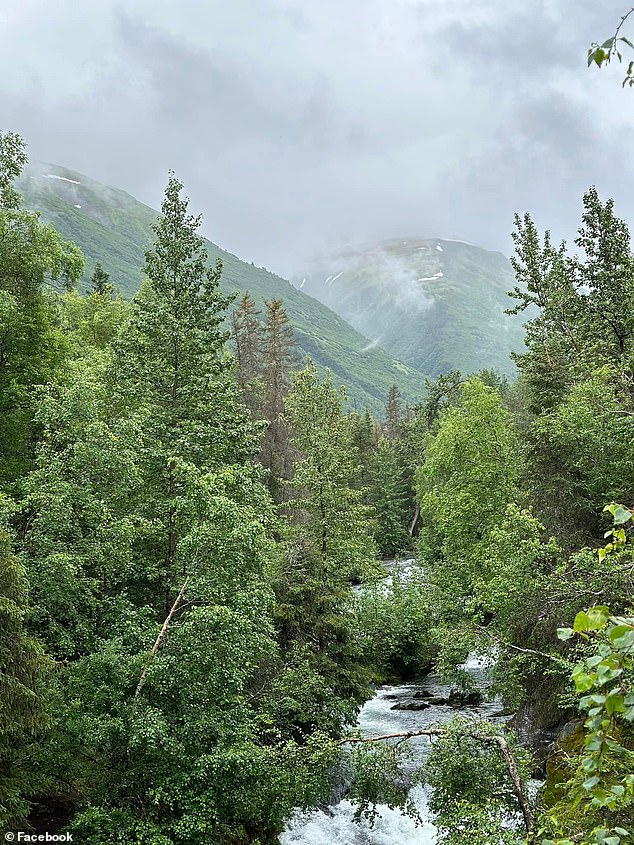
411	705
430	698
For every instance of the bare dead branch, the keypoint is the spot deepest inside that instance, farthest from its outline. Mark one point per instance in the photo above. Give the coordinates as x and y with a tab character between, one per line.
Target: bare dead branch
164	627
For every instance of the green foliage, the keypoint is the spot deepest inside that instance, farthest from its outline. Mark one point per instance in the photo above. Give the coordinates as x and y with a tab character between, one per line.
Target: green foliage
597	801
24	674
336	526
468	477
473	798
32	257
597	804
112	228
209	649
576	372
144	485
91	321
602	54
377	778
388	497
100	282
394	626
329	544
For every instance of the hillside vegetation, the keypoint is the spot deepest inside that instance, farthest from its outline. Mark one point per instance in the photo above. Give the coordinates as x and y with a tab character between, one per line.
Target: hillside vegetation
435	304
113	229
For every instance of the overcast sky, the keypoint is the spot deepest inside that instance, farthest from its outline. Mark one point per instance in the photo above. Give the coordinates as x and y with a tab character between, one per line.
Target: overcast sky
298	125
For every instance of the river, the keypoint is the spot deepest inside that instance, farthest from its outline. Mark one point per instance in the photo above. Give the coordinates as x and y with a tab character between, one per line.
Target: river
337	825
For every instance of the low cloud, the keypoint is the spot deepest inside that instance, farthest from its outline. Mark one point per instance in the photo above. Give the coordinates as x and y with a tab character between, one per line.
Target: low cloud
297	126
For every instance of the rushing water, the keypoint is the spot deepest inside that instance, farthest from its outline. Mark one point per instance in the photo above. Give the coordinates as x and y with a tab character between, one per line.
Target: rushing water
337	825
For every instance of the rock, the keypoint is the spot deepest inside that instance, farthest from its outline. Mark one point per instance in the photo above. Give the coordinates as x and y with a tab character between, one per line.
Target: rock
410	705
430	698
424	694
504	714
464	699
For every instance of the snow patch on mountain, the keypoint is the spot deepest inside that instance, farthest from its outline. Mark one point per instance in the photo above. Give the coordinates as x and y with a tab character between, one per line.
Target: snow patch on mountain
61	178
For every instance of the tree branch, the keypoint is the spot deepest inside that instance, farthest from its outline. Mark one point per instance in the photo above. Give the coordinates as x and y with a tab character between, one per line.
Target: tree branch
139	686
492	739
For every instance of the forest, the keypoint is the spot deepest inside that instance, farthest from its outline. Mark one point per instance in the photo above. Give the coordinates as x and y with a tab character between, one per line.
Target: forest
186	505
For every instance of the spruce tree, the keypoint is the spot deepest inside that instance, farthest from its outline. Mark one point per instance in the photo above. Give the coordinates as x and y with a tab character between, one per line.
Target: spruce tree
172	364
325	475
387	495
100	282
331	543
393	413
247	337
280	358
364	438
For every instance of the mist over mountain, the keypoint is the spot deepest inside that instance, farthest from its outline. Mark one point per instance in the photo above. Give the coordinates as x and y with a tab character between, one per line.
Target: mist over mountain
435	304
389	312
113	228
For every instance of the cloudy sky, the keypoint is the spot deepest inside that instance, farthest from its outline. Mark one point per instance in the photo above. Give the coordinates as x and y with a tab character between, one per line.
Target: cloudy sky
298	125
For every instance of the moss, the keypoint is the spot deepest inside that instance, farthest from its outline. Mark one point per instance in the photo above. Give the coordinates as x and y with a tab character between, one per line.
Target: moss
561	765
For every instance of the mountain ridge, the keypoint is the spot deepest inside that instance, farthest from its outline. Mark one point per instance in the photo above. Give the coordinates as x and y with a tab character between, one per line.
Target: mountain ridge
113	228
435	303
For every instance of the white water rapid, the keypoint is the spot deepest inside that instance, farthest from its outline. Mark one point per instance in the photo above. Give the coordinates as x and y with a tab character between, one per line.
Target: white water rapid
337	825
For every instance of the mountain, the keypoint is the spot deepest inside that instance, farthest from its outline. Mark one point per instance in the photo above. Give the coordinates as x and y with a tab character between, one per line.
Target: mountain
113	228
435	304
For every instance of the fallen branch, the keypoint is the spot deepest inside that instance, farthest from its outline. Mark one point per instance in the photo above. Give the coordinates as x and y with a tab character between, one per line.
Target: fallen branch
139	686
489	739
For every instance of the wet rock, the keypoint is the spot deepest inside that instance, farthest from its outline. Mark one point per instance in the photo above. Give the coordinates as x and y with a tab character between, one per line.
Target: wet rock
430	698
411	705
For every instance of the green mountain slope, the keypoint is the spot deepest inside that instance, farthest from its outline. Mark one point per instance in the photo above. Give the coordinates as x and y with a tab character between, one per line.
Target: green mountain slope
434	304
113	228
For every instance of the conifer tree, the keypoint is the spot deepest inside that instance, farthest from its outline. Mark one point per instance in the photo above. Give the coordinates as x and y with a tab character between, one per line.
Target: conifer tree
331	542
325	475
393	413
387	495
364	438
280	358
100	282
172	364
248	339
